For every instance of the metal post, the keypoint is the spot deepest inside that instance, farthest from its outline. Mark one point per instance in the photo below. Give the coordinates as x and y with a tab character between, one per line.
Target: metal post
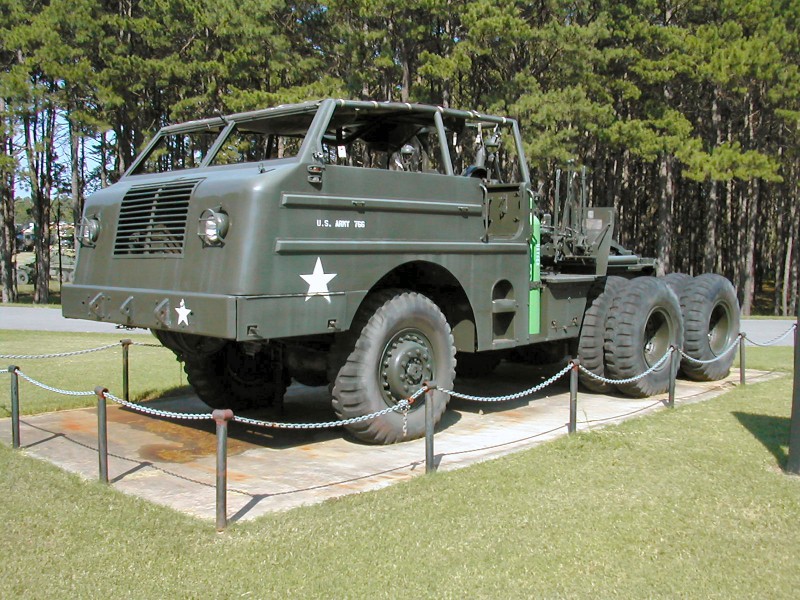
673	374
573	397
793	463
14	406
430	463
125	364
742	377
221	418
102	433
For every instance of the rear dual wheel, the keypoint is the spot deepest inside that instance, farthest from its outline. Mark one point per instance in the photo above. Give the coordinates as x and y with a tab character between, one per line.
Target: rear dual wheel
644	320
593	331
711	322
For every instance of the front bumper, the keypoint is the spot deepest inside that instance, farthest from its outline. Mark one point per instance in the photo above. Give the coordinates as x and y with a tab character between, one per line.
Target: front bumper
201	314
242	318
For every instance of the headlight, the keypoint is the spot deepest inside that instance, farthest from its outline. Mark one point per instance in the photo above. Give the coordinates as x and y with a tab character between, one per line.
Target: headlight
213	227
89	231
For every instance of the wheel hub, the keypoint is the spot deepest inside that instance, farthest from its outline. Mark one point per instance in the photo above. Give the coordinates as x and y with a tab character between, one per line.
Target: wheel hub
406	363
657	337
719	333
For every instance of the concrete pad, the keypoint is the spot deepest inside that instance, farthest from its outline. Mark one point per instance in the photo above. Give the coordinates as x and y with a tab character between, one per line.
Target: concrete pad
173	463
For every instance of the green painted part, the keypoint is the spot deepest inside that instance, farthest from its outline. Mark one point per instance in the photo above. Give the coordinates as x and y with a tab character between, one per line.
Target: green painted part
534	296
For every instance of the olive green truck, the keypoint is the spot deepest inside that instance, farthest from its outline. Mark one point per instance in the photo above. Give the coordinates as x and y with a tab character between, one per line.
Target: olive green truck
374	247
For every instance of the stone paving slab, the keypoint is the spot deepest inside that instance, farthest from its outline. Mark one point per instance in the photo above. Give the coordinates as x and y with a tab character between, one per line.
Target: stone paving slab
173	462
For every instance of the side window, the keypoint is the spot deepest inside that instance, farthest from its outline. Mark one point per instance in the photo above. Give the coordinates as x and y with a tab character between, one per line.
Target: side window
355	153
384	140
486	150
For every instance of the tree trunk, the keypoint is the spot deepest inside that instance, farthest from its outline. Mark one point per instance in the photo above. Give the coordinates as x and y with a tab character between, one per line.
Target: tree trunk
8	287
103	161
710	251
750	210
787	274
39	132
664	214
76	168
791	277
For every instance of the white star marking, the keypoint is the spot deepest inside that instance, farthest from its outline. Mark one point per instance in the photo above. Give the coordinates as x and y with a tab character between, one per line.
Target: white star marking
318	282
183	313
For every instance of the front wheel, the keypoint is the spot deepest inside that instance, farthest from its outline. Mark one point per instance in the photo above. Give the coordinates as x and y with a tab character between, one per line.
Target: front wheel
398	341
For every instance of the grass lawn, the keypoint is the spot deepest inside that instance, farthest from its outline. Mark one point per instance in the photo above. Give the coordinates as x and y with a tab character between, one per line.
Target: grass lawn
684	503
151	370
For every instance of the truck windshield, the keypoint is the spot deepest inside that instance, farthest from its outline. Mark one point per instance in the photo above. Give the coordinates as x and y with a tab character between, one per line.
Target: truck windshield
177	151
251	140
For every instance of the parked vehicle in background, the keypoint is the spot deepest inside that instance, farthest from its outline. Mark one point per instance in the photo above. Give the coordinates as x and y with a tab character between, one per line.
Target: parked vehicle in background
62	267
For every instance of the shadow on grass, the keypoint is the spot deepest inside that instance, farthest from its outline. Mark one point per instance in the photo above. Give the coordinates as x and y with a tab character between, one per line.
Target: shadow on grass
771	431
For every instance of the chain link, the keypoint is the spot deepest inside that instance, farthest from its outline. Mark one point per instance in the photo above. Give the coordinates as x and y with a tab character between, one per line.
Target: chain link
143	345
516	396
403	405
138	407
59	354
157	412
773	340
44	386
655	367
727	351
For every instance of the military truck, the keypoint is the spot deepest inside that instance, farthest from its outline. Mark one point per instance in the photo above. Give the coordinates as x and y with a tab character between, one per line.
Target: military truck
374	247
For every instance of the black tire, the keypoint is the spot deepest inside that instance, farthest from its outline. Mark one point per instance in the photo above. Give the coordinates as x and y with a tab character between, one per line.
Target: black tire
593	332
476	364
642	324
397	341
676	282
22	277
232	379
711	324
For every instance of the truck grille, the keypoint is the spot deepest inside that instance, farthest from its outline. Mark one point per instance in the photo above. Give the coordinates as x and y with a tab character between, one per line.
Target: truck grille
152	219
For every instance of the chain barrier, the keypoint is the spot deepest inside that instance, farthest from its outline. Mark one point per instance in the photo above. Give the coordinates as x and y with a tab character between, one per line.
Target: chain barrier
157	412
58	354
44	386
723	354
403	406
655	367
773	340
515	396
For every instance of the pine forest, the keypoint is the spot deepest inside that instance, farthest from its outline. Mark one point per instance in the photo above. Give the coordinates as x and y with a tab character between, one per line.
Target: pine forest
685	114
